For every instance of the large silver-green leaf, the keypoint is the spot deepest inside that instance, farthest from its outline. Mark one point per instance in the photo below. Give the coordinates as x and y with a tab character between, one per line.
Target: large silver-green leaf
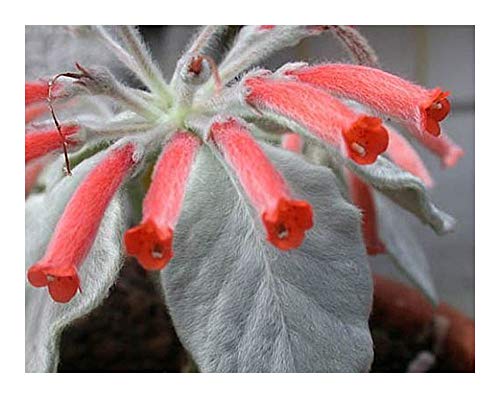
241	305
46	319
404	248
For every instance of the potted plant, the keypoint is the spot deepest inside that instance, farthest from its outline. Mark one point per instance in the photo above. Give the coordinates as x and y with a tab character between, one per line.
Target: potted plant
251	198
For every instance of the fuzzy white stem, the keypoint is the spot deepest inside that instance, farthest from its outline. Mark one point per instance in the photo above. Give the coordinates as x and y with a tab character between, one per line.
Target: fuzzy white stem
355	43
152	76
202	40
118	50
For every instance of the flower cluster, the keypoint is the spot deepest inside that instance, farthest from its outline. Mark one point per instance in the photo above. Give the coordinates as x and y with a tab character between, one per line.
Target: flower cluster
217	105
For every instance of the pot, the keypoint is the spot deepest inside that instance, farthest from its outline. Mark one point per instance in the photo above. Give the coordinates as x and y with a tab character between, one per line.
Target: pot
442	338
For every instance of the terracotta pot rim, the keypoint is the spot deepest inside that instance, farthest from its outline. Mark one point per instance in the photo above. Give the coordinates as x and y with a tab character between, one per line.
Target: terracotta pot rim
403	308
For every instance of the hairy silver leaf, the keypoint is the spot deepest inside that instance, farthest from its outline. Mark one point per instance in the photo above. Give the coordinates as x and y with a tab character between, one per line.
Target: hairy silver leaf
404	248
406	190
241	305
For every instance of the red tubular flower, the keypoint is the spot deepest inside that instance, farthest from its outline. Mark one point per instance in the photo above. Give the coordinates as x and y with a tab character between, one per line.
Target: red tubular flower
40	143
284	218
443	147
151	241
292	142
35	91
403	154
77	228
362	197
38	109
364	137
420	108
38	91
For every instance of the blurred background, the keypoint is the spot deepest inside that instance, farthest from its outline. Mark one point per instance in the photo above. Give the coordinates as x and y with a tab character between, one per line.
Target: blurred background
429	55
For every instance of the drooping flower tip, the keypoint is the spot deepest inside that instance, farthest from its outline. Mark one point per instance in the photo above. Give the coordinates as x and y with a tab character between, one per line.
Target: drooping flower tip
287	223
62	281
366	139
151	245
436	109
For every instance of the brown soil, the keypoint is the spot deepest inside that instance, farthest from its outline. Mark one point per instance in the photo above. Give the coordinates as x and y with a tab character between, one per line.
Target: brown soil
132	332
